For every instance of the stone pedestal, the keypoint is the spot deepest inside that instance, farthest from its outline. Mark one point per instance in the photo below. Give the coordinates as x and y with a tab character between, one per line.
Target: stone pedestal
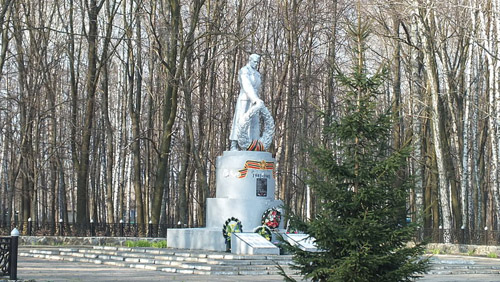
245	175
245	184
245	187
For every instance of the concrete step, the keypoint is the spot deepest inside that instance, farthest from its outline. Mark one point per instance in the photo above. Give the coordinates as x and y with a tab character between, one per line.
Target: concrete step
175	267
456	265
168	260
462	271
440	266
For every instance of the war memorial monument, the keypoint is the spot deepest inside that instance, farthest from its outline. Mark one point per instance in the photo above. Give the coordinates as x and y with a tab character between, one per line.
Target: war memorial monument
245	181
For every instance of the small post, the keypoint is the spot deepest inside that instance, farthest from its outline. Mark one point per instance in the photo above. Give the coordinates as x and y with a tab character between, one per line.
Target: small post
150	229
16	218
486	235
14	234
463	233
440	234
61	227
121	228
29	226
92	228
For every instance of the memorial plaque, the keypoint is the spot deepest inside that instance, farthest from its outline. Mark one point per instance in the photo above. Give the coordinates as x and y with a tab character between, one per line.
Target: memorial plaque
261	189
255	240
304	241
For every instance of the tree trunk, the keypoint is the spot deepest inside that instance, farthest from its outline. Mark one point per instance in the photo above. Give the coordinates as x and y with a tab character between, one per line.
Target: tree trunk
436	111
169	110
82	210
5	13
174	70
417	123
134	74
396	87
26	123
108	129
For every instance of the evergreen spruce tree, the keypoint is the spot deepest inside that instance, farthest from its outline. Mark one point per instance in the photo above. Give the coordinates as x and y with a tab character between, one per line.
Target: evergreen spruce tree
360	225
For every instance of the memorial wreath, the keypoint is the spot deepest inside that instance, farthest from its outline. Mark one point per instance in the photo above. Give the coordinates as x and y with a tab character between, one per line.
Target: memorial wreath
271	218
263	231
231	225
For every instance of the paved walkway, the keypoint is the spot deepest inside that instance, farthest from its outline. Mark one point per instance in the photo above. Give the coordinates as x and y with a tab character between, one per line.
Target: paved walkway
461	278
41	270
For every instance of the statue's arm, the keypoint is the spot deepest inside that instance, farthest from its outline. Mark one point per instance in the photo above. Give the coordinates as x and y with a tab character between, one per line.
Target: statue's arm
247	87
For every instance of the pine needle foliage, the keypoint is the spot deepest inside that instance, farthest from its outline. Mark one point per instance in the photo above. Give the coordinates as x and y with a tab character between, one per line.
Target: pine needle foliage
360	224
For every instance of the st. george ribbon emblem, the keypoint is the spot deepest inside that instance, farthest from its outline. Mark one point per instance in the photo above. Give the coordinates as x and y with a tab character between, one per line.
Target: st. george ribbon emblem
262	165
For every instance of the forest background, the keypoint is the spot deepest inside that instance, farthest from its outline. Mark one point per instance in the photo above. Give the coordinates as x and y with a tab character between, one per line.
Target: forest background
117	110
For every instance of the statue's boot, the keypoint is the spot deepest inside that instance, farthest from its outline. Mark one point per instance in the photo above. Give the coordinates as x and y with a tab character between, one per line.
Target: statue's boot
234	145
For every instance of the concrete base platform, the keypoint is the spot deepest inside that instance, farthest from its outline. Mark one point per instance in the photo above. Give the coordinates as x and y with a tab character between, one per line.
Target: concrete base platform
196	239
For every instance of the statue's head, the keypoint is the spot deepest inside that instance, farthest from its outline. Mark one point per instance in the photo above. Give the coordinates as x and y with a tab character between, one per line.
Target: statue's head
254	61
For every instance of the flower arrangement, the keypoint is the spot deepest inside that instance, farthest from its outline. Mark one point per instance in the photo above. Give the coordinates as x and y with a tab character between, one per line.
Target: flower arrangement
271	218
231	225
263	231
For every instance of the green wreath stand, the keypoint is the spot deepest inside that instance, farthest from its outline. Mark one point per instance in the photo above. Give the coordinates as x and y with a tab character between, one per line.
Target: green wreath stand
264	231
232	225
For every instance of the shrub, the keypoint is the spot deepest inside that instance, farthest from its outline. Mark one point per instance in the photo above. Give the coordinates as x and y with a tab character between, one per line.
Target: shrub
146	244
492	255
